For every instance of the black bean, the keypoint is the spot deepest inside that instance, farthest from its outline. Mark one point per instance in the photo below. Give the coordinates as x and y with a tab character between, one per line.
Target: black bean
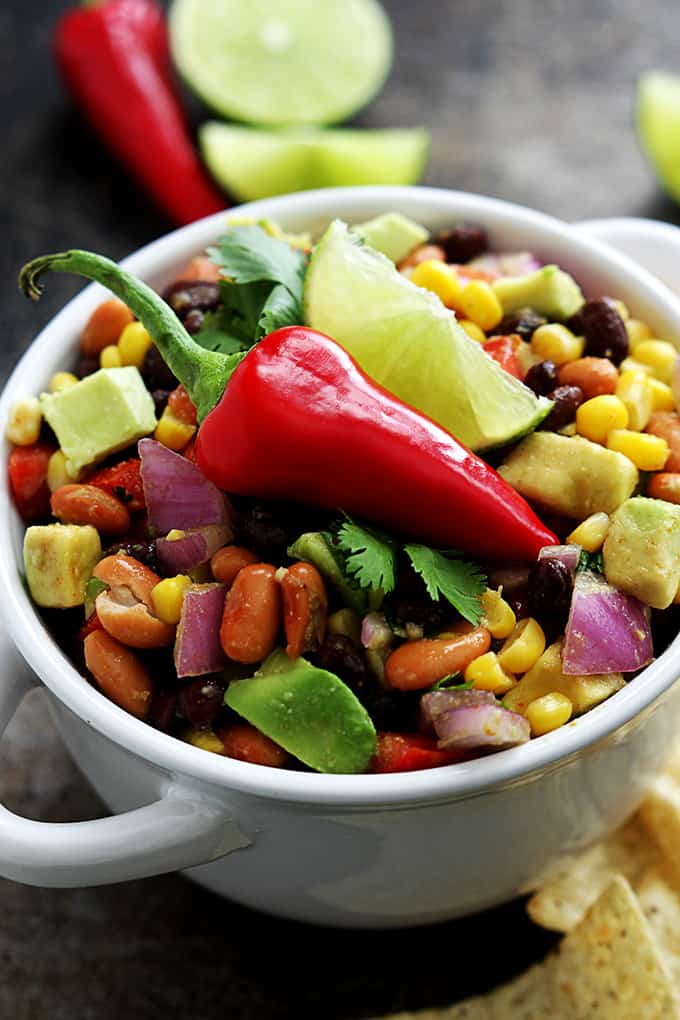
432	616
186	296
550	588
567	399
258	529
524	321
194	320
85	366
200	701
145	552
599	322
463	242
339	655
542	378
163	709
155	373
395	711
160	399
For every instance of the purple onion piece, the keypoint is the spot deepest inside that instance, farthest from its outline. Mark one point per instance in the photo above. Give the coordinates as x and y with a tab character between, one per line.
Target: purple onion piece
197	644
481	728
376	632
607	631
435	703
569	555
177	494
193	549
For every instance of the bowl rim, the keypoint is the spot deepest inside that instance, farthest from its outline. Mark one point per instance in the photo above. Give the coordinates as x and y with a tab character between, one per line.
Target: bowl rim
447	783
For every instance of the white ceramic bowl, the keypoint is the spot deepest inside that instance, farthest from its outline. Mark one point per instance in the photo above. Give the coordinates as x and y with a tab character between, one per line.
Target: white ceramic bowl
373	851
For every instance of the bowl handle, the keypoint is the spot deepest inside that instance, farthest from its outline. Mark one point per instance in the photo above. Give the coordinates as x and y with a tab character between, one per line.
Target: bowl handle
178	831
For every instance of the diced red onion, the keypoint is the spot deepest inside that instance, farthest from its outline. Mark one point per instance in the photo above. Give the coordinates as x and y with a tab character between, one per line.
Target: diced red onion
607	631
435	703
512	263
509	578
569	555
177	494
197	644
194	548
481	728
376	632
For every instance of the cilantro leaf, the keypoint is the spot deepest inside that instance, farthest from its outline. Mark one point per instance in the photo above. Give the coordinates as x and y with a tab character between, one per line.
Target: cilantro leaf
460	582
220	331
250	254
370	557
446	684
590	561
281	308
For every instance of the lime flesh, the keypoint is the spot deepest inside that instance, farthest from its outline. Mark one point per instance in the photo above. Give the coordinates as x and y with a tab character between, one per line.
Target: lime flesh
253	164
404	338
288	62
658	126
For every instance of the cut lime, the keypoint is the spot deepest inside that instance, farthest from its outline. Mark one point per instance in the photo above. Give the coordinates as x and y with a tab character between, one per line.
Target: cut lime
288	62
658	126
252	164
405	339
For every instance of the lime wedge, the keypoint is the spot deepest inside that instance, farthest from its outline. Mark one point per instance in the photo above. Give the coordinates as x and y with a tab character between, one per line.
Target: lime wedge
658	126
252	164
405	339
288	62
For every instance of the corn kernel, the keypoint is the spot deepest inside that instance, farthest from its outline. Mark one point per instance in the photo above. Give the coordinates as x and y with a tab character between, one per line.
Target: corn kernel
205	739
498	618
110	357
526	357
633	365
57	473
660	355
486	674
523	648
591	533
175	534
637	331
480	304
172	432
622	309
473	330
442	280
133	343
24	422
554	342
647	452
548	713
662	395
596	417
61	381
167	597
633	389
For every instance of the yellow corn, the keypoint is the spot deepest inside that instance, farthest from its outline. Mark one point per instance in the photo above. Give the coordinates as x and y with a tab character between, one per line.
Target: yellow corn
435	275
596	417
473	330
24	422
499	619
622	309
133	343
110	357
660	355
548	712
172	432
57	473
662	395
637	331
61	381
633	365
486	674
647	452
205	739
634	390
523	648
591	533
554	342
526	357
480	304
167	597
175	534
568	430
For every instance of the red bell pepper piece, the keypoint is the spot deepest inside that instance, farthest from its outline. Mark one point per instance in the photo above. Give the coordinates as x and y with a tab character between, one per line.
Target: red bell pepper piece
409	752
301	421
503	349
114	59
124	481
27	467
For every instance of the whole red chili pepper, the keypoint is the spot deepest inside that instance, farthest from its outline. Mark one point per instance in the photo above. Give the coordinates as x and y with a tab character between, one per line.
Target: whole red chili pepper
300	420
114	59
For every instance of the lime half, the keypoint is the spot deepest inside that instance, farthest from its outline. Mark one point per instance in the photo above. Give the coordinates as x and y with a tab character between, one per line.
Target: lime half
252	164
405	339
282	62
658	126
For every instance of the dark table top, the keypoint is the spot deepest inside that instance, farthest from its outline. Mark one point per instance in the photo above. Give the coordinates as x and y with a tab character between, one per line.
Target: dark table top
527	100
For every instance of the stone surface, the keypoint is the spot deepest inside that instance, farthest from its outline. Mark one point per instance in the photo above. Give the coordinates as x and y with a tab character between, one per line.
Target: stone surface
528	100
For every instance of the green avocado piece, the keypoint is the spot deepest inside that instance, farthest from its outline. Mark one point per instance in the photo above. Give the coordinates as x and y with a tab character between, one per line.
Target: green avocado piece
104	412
309	712
392	234
313	548
569	475
549	291
58	560
642	550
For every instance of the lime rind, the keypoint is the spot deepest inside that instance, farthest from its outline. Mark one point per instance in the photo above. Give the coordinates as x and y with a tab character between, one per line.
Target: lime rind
410	343
657	118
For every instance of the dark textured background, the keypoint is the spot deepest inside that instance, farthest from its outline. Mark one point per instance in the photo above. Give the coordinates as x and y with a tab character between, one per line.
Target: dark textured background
528	100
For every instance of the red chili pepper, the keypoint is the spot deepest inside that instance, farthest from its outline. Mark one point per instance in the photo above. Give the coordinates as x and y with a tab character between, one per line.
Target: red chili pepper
409	752
28	480
503	349
124	481
114	59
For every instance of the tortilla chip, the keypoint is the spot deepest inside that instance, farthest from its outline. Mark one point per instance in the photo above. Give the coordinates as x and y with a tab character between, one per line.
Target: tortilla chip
471	1009
561	903
660	813
659	895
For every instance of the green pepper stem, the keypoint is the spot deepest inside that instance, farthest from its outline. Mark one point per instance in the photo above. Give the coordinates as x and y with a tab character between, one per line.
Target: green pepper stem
203	373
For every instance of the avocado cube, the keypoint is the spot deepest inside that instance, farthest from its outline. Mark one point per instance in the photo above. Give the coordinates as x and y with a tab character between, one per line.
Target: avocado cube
569	475
549	291
392	234
58	560
642	550
546	676
104	412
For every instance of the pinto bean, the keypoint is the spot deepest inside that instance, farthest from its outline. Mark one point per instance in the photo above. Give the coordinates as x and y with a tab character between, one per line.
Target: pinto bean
252	614
666	425
200	268
87	504
244	742
119	673
125	609
305	609
418	664
104	326
423	253
665	485
594	376
227	562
